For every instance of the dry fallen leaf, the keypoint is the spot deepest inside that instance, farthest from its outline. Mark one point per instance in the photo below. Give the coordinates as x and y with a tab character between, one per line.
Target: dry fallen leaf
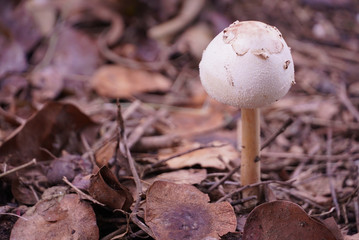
185	176
105	188
57	216
283	220
104	154
218	156
52	128
116	81
181	211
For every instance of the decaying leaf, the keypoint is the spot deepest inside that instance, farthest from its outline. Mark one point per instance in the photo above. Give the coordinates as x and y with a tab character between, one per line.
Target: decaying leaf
120	82
283	220
52	128
181	211
105	188
217	156
57	216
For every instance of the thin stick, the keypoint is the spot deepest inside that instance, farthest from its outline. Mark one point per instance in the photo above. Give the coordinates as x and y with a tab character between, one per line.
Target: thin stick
15	215
229	195
343	97
250	165
339	157
33	161
234	170
184	153
131	161
330	172
138	132
81	193
356	209
277	133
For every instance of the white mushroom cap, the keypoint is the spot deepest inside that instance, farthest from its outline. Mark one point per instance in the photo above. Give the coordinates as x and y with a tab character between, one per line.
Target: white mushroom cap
247	65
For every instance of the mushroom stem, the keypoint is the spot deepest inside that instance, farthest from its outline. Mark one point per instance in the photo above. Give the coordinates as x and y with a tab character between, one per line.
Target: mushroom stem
250	164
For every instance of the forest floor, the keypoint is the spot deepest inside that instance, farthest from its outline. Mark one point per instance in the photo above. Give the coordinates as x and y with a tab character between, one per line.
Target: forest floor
107	133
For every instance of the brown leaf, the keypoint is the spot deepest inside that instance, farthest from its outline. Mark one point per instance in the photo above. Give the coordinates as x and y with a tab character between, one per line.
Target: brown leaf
184	176
180	211
105	188
283	220
53	128
212	157
104	154
333	227
57	217
120	82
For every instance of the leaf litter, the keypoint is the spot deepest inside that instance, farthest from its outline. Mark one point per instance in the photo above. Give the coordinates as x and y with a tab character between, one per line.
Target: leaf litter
62	64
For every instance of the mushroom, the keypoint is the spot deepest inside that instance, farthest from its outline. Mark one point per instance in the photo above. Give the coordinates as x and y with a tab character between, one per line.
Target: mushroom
248	65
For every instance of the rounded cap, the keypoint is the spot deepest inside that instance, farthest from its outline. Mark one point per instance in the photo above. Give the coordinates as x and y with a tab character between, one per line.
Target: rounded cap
247	65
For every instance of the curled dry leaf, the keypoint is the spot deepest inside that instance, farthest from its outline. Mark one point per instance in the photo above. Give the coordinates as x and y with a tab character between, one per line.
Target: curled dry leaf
180	211
58	216
283	220
105	188
120	82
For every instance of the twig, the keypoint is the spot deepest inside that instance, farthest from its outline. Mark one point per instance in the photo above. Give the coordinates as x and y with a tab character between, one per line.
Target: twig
131	161
81	193
12	118
188	12
229	195
227	176
33	161
345	156
89	151
356	209
184	153
286	124
156	142
298	195
120	232
343	97
51	49
243	200
138	132
112	56
15	215
109	134
330	172
323	213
